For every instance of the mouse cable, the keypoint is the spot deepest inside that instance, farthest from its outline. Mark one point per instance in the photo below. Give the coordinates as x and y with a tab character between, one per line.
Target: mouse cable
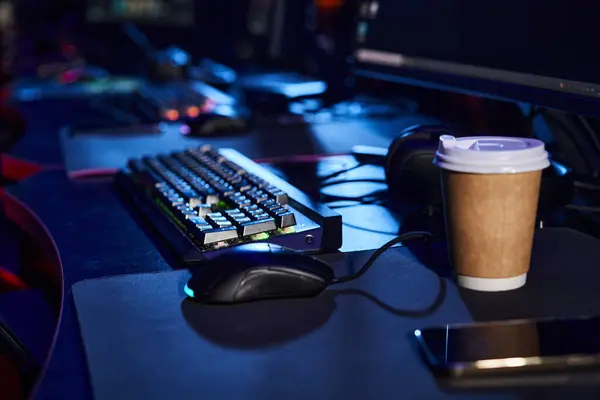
358	164
402	238
322	179
363	180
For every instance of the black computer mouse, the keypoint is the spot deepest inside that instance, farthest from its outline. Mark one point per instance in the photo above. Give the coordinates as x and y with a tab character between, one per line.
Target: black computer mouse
215	124
258	271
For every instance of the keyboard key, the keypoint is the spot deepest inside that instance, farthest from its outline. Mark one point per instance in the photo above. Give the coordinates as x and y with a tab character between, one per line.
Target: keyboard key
176	182
238	200
243	185
257	196
223	224
195	222
216	220
199	222
233	167
251	208
254	213
185	214
218	235
209	177
247	224
285	219
261	215
204	209
195	203
268	203
205	192
249	228
272	206
173	199
186	210
214	228
238	215
256	180
242	220
277	194
209	151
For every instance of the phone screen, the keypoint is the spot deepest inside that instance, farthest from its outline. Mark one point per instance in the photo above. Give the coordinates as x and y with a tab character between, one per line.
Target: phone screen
511	340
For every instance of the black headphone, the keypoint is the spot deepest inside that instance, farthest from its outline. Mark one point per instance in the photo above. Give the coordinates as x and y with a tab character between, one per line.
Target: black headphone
409	169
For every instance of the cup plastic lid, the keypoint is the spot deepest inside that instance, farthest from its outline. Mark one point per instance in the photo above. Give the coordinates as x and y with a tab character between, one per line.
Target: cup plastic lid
491	154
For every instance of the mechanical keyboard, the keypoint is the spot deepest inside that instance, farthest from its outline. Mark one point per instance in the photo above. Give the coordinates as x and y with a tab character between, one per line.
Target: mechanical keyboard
203	200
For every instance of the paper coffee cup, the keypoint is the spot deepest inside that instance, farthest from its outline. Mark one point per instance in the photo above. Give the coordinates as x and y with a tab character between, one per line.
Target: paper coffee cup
491	189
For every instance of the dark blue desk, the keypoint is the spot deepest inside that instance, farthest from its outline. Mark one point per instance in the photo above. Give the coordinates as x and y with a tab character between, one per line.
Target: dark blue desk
96	237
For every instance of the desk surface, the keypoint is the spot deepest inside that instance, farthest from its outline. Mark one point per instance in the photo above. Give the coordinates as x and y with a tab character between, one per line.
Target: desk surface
96	237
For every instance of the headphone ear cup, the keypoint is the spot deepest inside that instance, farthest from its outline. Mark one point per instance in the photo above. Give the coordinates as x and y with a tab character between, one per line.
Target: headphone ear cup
409	168
391	156
418	132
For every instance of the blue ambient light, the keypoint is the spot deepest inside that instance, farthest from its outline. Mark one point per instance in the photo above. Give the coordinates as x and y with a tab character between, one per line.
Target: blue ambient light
560	169
189	292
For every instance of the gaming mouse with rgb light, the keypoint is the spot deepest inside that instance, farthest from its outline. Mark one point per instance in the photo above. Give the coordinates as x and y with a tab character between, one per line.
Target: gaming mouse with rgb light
258	271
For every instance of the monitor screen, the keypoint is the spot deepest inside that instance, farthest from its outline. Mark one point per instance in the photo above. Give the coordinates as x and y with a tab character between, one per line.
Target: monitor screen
514	49
156	12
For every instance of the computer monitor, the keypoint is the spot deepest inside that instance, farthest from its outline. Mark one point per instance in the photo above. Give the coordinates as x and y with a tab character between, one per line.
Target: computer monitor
158	12
543	53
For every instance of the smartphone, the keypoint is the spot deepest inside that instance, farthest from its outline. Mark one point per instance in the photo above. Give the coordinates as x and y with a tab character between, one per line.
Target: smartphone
516	346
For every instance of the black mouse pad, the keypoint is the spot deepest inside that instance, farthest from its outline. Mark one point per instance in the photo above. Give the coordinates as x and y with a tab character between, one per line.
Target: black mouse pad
145	341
